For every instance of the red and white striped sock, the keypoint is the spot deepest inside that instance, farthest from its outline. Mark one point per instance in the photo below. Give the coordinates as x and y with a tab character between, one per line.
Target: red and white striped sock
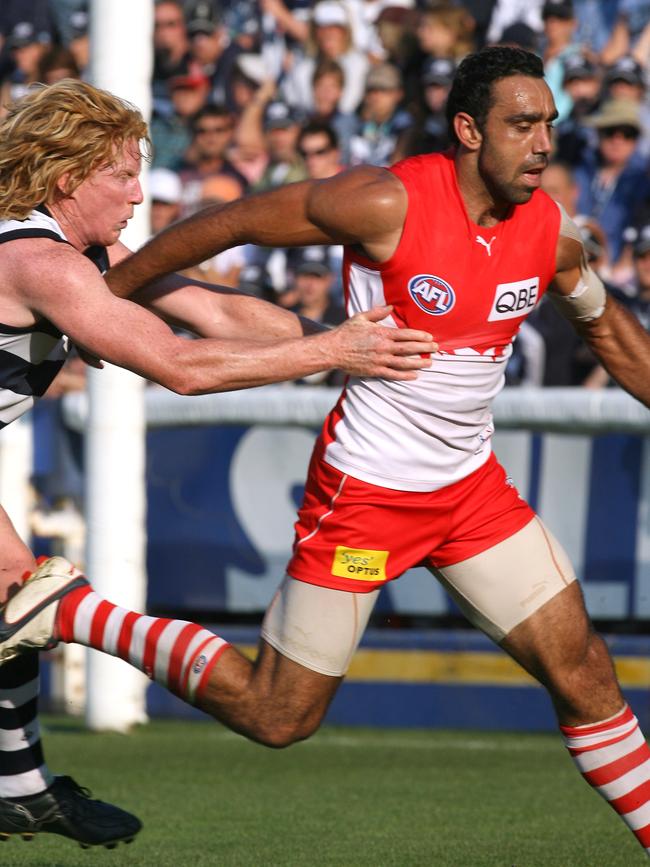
614	758
174	653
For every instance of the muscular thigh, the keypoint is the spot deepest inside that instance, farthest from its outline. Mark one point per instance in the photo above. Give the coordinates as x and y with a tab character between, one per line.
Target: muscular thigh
317	627
507	583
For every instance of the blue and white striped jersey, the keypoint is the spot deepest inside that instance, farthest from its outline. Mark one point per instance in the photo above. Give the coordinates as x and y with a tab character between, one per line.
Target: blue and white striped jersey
31	357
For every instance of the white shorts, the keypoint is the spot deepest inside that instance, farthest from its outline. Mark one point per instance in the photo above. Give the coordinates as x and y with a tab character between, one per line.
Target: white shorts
320	628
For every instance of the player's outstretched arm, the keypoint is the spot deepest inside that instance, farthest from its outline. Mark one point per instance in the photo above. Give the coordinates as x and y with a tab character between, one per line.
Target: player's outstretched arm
76	300
615	337
361	346
365	205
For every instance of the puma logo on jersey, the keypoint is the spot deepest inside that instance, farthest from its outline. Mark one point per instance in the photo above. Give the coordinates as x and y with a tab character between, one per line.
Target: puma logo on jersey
486	244
512	300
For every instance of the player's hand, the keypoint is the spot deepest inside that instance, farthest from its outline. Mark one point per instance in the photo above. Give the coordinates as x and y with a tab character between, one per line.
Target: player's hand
365	348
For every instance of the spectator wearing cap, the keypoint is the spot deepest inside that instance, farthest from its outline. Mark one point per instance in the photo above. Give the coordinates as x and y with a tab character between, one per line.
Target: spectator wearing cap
171	132
625	79
78	38
429	133
165	195
331	39
37	12
68	17
310	294
583	83
212	50
171	51
311	278
207	155
634	294
384	124
520	35
613	178
26	46
281	130
559	46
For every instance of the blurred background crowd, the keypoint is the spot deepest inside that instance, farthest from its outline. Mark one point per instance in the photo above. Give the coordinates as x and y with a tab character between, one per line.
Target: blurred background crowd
252	94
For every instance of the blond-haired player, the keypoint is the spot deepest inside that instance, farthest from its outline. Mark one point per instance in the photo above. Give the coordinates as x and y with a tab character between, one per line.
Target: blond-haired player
70	157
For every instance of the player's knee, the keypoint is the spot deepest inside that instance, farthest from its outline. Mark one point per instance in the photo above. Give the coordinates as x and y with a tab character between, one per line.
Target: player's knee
281	732
589	667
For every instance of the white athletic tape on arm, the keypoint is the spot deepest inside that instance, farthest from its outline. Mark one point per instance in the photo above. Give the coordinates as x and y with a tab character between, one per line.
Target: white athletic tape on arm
587	301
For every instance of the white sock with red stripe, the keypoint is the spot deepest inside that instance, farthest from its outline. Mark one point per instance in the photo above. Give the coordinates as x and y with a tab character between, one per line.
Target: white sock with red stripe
614	758
176	654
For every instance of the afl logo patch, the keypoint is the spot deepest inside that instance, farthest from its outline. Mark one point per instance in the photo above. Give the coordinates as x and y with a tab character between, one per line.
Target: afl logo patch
199	664
432	294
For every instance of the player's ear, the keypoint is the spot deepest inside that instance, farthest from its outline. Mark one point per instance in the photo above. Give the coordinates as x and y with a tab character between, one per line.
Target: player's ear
63	184
467	131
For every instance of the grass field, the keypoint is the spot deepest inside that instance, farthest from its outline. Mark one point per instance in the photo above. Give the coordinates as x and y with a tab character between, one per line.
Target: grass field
348	797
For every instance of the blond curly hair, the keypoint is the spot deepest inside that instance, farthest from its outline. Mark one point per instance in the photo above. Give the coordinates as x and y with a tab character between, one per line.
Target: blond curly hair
68	128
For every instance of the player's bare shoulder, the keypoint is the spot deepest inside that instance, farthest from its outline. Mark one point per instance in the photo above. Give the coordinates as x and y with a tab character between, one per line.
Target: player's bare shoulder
363	205
32	269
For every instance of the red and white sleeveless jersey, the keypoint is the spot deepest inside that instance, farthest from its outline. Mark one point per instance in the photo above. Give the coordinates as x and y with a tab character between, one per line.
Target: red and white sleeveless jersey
471	287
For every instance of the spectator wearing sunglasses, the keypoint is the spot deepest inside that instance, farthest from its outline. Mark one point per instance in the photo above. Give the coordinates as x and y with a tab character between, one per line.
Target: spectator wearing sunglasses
626	79
207	156
613	177
318	145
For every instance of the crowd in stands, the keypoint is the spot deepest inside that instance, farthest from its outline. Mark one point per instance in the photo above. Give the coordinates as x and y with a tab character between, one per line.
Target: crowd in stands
252	94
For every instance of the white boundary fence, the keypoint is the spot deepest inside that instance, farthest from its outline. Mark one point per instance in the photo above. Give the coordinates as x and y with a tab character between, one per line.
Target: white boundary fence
558	410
